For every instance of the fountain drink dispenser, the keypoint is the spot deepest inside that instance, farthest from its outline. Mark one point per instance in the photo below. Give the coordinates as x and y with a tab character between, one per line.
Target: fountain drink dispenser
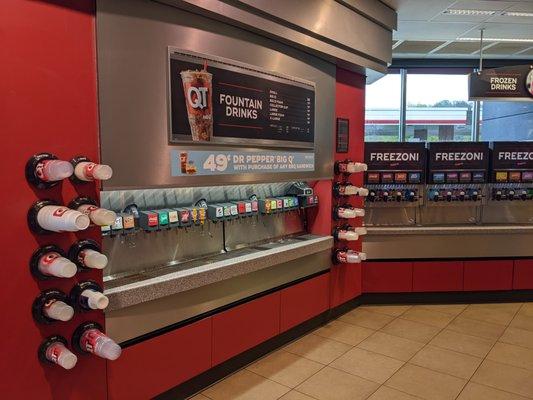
457	176
510	191
395	180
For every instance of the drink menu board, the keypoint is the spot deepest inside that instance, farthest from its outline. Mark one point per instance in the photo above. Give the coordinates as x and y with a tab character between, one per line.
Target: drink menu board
222	101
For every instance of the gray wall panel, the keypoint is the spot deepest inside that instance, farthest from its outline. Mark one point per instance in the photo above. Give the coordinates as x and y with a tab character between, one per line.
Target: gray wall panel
132	39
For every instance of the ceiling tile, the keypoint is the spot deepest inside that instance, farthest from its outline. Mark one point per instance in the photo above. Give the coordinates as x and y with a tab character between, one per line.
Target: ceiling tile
421	47
507	48
417	10
416	30
459	48
483	5
527	53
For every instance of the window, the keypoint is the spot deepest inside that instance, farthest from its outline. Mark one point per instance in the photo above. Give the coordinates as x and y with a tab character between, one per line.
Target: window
438	109
506	120
382	109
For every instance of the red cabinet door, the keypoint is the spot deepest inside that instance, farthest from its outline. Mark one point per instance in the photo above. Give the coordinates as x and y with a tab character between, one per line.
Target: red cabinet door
245	326
387	277
523	274
437	276
151	367
304	301
345	283
489	275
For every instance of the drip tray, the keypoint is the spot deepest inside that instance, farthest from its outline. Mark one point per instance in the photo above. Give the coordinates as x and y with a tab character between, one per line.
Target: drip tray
125	291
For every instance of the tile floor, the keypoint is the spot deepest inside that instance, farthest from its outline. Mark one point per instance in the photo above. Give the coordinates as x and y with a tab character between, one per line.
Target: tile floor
431	352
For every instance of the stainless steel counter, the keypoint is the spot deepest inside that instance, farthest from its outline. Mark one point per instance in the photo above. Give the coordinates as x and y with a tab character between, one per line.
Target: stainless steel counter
155	284
450	230
449	242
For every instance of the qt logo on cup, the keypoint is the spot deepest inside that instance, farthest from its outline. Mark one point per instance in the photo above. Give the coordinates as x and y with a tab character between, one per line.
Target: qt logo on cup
197	97
59	212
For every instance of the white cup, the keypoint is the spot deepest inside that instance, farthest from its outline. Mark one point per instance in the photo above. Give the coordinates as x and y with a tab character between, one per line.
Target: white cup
95	300
60	355
98	216
62	219
350	212
363	192
93	259
353	167
89	171
52	264
54	170
59	311
347	235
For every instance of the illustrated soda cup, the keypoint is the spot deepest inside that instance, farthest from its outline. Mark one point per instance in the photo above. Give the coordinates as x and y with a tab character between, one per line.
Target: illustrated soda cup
94	300
89	171
53	170
62	219
58	310
98	216
58	353
93	259
353	167
53	264
95	342
197	87
184	156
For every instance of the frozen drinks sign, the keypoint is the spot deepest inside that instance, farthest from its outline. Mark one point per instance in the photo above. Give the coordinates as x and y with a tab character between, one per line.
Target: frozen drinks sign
187	163
222	101
513	82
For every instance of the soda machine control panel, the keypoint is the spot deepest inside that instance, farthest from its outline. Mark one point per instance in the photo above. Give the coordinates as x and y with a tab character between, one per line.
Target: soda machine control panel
395	173
457	172
512	171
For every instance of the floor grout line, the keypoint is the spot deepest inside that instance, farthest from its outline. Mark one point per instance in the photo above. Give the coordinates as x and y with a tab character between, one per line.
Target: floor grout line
404	363
486	355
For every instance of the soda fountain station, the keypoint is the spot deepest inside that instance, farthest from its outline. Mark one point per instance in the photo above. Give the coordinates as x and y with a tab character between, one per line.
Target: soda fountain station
187	189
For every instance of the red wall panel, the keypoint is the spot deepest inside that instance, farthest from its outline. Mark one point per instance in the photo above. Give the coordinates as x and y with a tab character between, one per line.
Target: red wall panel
245	326
387	277
47	103
437	276
304	301
156	365
345	283
488	275
349	104
523	274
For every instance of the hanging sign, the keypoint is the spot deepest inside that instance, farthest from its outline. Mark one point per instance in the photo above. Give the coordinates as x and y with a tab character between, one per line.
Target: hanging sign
506	83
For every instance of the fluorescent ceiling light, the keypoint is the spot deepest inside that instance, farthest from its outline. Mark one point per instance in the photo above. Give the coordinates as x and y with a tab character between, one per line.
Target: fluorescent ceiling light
517	14
457	11
487	39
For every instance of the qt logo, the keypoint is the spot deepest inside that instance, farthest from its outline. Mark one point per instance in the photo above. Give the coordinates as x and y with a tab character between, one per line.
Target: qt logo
197	97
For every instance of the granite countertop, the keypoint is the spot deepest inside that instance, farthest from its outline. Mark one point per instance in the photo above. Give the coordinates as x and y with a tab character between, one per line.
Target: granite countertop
450	230
126	292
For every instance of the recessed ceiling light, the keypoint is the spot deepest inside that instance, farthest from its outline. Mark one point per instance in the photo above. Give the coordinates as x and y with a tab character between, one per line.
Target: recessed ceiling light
472	39
517	14
457	11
